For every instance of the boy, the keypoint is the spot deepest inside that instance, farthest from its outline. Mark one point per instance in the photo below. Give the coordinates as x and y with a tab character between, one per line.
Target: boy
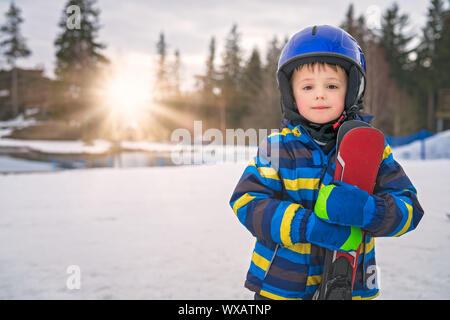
321	78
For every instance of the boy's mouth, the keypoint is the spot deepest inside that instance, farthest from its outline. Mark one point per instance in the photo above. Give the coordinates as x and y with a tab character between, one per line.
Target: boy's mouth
320	107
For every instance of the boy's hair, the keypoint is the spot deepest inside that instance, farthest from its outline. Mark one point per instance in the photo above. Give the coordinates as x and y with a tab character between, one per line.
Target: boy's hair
321	65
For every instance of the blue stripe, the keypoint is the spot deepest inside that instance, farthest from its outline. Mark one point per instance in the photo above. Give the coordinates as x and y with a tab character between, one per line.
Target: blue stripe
397	183
365	293
401	216
295	163
277	218
316	270
270	183
267	218
284	288
264	252
251	278
300	265
257	271
302	195
249	216
300	172
292	259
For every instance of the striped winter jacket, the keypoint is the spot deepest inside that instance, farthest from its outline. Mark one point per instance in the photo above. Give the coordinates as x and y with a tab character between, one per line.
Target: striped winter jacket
262	199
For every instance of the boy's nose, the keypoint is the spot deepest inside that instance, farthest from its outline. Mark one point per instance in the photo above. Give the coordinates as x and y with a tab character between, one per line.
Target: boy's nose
320	95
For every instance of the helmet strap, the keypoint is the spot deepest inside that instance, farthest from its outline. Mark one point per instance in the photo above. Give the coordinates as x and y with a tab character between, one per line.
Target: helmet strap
348	114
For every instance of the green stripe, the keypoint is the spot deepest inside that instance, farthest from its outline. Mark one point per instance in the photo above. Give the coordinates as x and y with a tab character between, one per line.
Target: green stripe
320	208
354	240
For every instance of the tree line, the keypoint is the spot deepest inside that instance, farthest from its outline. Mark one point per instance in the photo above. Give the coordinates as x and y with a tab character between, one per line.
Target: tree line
406	73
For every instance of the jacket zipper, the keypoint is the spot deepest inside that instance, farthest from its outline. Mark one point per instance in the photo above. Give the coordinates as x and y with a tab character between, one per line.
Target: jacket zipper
271	260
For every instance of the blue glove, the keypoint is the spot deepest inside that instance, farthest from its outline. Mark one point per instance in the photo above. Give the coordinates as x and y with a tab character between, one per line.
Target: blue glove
332	236
347	205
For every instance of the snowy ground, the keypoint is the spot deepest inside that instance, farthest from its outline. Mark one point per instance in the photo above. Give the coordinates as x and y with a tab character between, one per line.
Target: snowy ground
168	233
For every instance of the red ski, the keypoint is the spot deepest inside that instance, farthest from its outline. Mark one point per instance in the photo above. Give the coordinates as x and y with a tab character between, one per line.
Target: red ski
360	150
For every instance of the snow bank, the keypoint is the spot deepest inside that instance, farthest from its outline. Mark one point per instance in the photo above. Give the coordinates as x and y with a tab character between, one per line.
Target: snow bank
18	122
58	147
436	147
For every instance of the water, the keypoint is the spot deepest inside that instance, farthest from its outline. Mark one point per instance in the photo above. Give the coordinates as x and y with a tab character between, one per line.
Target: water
26	161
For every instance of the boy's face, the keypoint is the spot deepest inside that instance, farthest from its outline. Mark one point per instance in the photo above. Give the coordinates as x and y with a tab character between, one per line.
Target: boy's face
319	92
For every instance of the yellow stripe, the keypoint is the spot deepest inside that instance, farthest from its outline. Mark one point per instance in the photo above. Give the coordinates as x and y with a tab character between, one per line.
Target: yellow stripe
411	191
301	183
313	280
268	172
368	247
296	132
283	132
265	172
387	151
285	228
242	201
366	298
303	248
275	297
260	261
408	222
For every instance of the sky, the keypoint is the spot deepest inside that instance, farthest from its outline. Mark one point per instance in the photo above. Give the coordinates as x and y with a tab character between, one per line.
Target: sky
130	29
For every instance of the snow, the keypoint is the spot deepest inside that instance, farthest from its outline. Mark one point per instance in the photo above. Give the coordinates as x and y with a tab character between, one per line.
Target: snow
417	265
58	147
436	147
169	233
19	122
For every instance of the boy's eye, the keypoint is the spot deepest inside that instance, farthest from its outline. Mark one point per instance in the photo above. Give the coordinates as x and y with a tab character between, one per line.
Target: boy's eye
307	88
332	86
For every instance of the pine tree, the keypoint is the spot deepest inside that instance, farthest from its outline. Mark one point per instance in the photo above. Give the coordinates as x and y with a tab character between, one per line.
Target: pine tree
77	50
442	61
209	80
176	75
349	23
427	65
14	48
395	43
231	73
271	107
78	54
252	88
355	26
252	77
162	72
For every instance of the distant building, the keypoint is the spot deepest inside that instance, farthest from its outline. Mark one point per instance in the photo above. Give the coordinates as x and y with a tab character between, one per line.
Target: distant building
33	91
443	110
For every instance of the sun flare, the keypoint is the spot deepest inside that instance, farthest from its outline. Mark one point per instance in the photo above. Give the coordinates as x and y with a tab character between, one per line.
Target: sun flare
128	87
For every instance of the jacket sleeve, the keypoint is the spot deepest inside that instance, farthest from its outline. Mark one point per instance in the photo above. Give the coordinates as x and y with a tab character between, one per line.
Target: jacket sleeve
398	210
258	203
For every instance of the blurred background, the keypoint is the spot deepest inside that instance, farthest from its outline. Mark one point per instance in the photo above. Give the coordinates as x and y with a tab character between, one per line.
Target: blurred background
158	66
90	84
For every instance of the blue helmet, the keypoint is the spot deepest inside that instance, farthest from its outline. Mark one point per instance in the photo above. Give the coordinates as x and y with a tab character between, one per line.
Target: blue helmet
322	44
